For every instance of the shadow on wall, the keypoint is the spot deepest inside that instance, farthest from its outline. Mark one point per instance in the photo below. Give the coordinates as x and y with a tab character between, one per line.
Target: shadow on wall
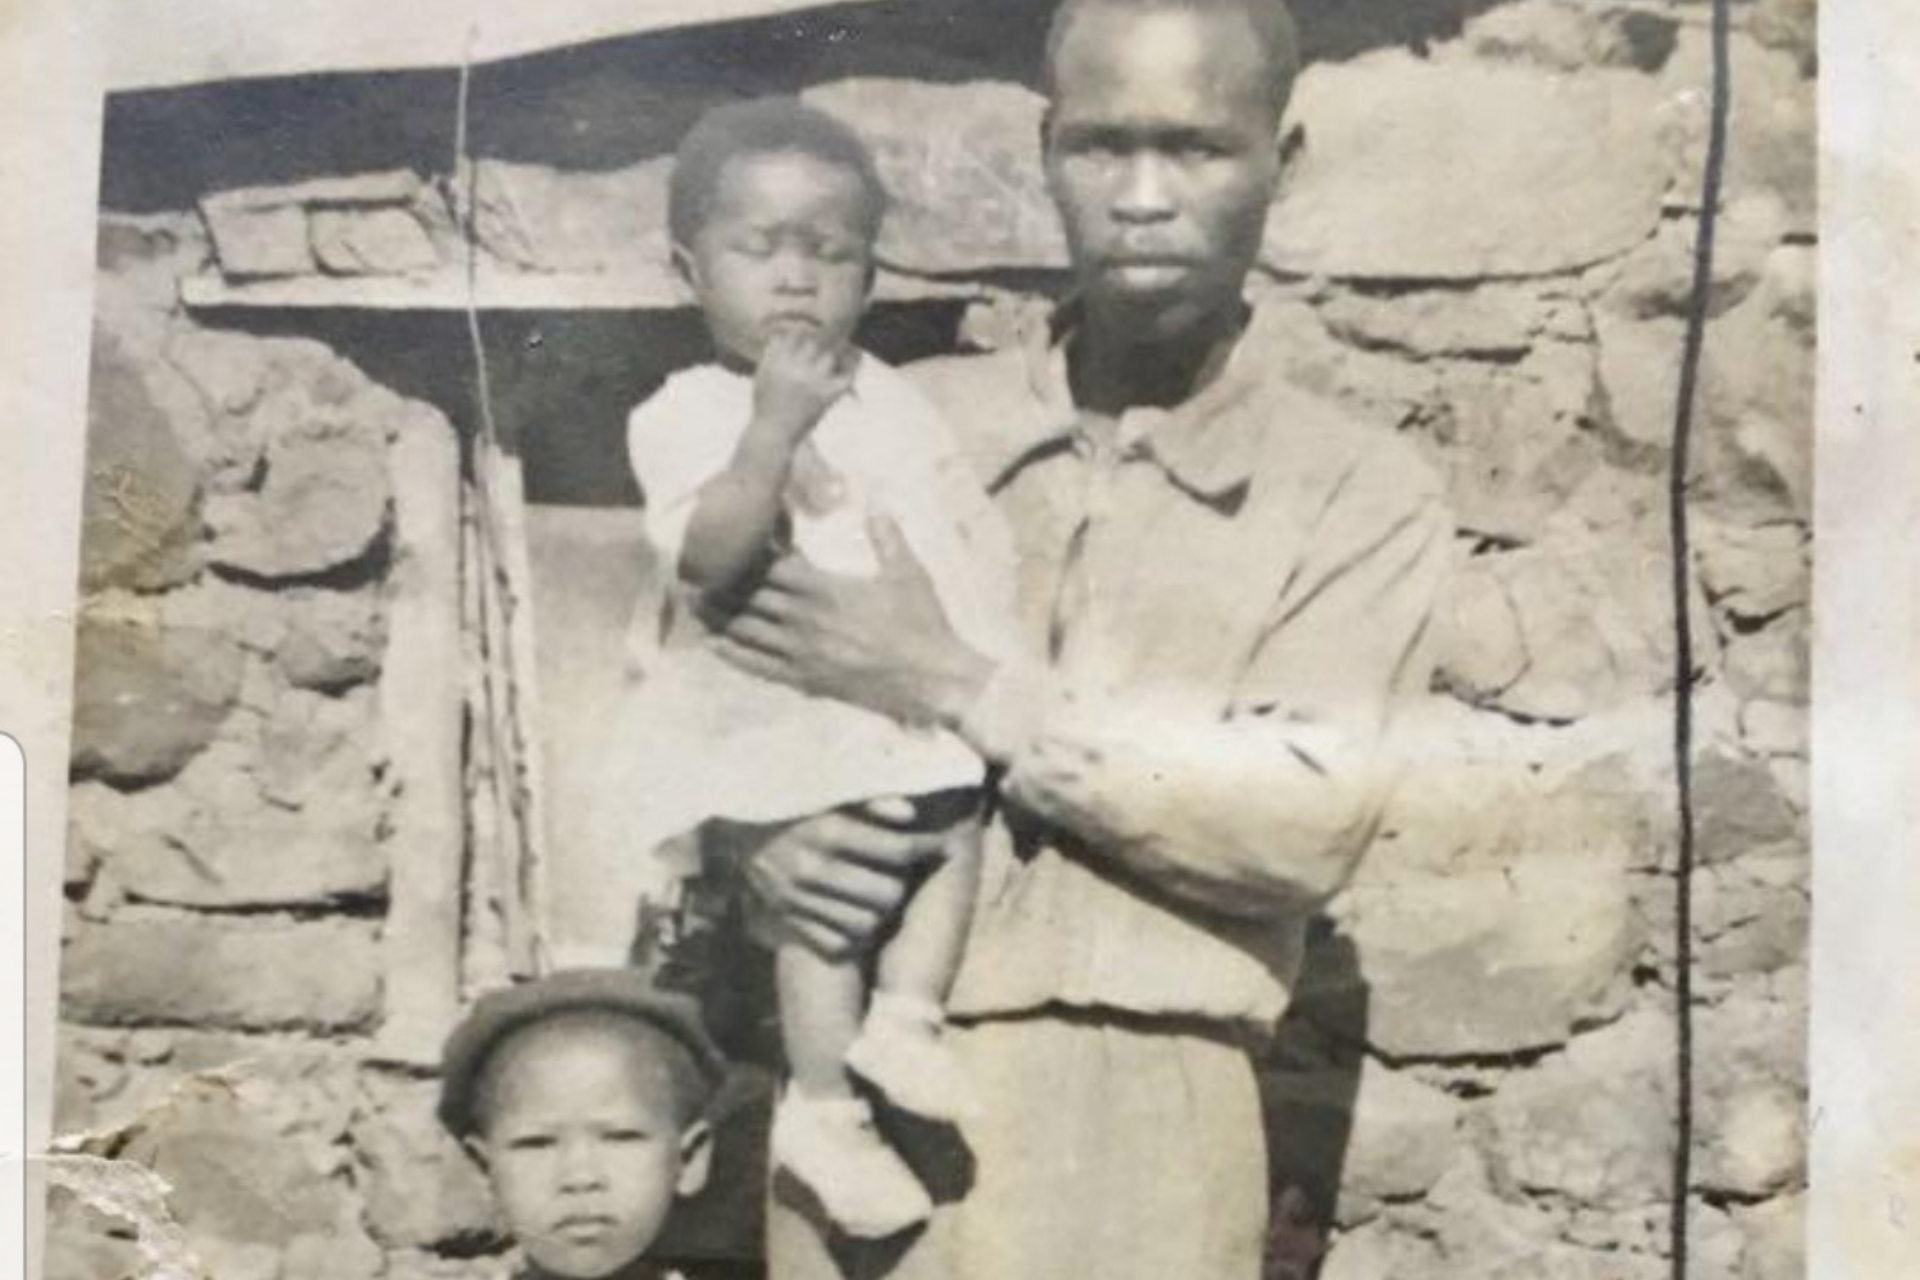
609	104
562	382
1309	1082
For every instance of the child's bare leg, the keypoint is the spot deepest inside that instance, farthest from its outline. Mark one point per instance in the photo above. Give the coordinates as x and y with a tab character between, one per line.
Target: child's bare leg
901	1051
823	1131
922	956
821	1004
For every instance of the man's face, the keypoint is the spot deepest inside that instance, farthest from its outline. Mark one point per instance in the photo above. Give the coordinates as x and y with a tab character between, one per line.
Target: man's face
583	1145
784	248
1162	151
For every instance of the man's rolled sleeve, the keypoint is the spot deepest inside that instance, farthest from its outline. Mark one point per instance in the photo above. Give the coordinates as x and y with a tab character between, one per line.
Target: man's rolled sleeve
1265	798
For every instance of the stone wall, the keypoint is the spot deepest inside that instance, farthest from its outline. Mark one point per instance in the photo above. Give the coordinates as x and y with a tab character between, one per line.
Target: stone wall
1485	242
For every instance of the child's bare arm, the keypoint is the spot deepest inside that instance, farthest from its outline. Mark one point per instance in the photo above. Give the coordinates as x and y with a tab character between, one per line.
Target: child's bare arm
737	513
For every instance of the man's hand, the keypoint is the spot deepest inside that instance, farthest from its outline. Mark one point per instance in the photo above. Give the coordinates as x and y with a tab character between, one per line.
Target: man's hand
833	880
797	381
882	642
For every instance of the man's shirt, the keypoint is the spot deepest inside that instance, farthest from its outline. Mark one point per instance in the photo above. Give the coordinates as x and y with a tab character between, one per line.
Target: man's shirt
1224	607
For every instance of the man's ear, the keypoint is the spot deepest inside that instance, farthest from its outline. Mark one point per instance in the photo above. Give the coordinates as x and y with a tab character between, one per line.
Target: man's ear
696	1158
686	266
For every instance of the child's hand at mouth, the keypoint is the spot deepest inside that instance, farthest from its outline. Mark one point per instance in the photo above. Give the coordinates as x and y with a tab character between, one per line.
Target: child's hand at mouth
798	380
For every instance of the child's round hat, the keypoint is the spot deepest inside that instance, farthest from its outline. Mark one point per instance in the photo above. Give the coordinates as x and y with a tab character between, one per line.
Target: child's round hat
500	1013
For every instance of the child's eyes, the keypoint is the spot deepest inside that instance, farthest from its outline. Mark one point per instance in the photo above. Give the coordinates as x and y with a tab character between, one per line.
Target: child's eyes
532	1142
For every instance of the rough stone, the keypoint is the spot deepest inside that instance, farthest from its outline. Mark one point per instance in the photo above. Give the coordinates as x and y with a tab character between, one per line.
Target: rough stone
1771	134
255	236
1594	1125
1454	169
536	218
1488	960
147	698
83	1243
1774	1238
1513	440
332	640
1756	1142
1738	806
1377	387
1771	662
1480	1234
961	163
1639	362
1389	1135
1756	441
320	501
375	241
1754	572
245	1189
1572	37
1481	648
1596	623
252	974
1751	915
181	852
1791	26
1380	1251
1493	322
1772	729
140	505
422	1190
1656	279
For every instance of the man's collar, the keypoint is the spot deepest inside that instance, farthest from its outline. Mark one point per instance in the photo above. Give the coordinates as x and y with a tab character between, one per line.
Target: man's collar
1205	448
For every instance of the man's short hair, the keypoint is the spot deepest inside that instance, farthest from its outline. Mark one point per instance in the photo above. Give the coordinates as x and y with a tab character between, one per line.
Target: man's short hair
664	1023
1270	22
763	127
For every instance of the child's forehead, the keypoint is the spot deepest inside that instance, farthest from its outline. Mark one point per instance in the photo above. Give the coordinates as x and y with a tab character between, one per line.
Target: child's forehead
575	1043
778	185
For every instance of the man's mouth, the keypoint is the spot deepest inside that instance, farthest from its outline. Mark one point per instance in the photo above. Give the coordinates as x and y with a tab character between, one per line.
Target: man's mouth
792	320
1148	270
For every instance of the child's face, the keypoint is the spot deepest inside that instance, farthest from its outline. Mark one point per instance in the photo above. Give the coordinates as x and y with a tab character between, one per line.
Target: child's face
583	1143
785	247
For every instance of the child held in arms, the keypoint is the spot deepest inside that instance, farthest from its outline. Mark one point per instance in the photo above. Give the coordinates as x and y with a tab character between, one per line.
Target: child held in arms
583	1097
794	441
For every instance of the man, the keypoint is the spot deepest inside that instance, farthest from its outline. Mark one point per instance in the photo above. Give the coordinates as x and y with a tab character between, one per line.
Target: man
1225	586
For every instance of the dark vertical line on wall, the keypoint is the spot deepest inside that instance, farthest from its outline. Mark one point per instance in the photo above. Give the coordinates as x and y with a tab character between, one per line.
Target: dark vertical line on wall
1695	340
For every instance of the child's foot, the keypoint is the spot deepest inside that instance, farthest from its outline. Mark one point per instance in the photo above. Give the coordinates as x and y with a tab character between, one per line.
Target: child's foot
831	1146
902	1052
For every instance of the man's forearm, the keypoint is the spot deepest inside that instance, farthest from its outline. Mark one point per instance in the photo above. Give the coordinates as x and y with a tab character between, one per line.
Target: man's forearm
1237	815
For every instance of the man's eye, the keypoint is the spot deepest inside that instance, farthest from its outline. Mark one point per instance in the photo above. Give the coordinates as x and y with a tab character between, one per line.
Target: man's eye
754	247
530	1142
626	1135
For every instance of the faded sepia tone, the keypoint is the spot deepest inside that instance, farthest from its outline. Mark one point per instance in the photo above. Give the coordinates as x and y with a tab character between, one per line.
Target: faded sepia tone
339	649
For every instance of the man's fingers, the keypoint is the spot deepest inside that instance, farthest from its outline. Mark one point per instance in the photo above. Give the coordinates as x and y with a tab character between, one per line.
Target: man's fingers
757	631
794	575
752	661
894	810
854	885
889	852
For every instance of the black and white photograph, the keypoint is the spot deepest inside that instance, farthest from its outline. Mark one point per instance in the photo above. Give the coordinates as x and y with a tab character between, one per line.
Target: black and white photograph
944	640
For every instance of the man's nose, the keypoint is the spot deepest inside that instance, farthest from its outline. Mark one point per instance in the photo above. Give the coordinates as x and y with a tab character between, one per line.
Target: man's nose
1145	193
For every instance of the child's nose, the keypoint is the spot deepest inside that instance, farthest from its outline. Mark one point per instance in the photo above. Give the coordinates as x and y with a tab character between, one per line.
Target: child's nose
581	1167
796	271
